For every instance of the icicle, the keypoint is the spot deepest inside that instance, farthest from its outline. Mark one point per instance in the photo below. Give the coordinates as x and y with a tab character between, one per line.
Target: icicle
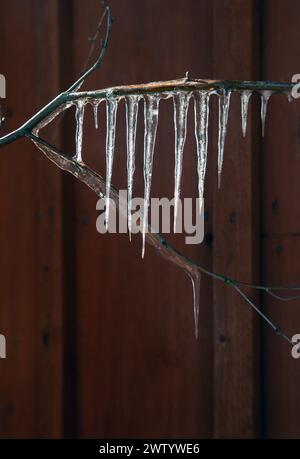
264	98
181	105
195	277
224	102
111	112
245	96
95	110
80	107
151	104
201	112
132	105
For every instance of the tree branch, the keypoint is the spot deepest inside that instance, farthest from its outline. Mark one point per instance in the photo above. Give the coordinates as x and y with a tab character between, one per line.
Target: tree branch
166	89
95	182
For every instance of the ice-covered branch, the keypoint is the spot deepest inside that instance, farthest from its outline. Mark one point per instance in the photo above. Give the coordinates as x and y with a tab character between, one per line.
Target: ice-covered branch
96	183
182	91
75	166
103	188
164	88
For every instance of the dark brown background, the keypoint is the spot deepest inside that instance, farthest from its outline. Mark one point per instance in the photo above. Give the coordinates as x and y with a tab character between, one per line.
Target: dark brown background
99	342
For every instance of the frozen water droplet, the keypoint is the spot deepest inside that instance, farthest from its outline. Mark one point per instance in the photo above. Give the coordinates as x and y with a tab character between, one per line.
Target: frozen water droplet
245	96
151	104
181	104
201	112
264	98
111	112
132	104
80	107
224	102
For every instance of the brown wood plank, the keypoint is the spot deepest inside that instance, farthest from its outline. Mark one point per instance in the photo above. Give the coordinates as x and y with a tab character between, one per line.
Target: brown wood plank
281	371
235	54
141	372
31	256
281	190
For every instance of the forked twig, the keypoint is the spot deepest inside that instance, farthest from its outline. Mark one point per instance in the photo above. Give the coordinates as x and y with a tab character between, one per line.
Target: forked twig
95	182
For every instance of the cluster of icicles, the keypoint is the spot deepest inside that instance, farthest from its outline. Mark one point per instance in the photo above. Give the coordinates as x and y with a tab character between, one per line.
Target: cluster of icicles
181	100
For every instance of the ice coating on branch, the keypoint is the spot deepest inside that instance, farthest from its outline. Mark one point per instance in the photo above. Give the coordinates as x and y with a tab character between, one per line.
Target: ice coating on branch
224	102
201	112
95	111
264	99
111	112
195	277
245	96
181	105
132	105
151	105
80	107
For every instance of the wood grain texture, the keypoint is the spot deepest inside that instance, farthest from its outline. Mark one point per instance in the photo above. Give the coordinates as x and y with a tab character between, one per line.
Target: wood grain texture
281	169
236	249
31	257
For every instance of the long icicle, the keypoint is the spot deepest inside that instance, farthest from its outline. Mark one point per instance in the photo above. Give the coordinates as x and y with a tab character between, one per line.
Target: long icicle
111	112
245	96
264	98
132	105
80	108
224	102
181	105
201	113
151	105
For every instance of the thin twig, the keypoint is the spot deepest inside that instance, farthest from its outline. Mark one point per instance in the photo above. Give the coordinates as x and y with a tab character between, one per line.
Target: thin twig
274	327
94	38
93	41
97	64
60	103
62	98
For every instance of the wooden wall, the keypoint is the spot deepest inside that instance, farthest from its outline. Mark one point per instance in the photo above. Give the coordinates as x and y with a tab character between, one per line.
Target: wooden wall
100	342
280	223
